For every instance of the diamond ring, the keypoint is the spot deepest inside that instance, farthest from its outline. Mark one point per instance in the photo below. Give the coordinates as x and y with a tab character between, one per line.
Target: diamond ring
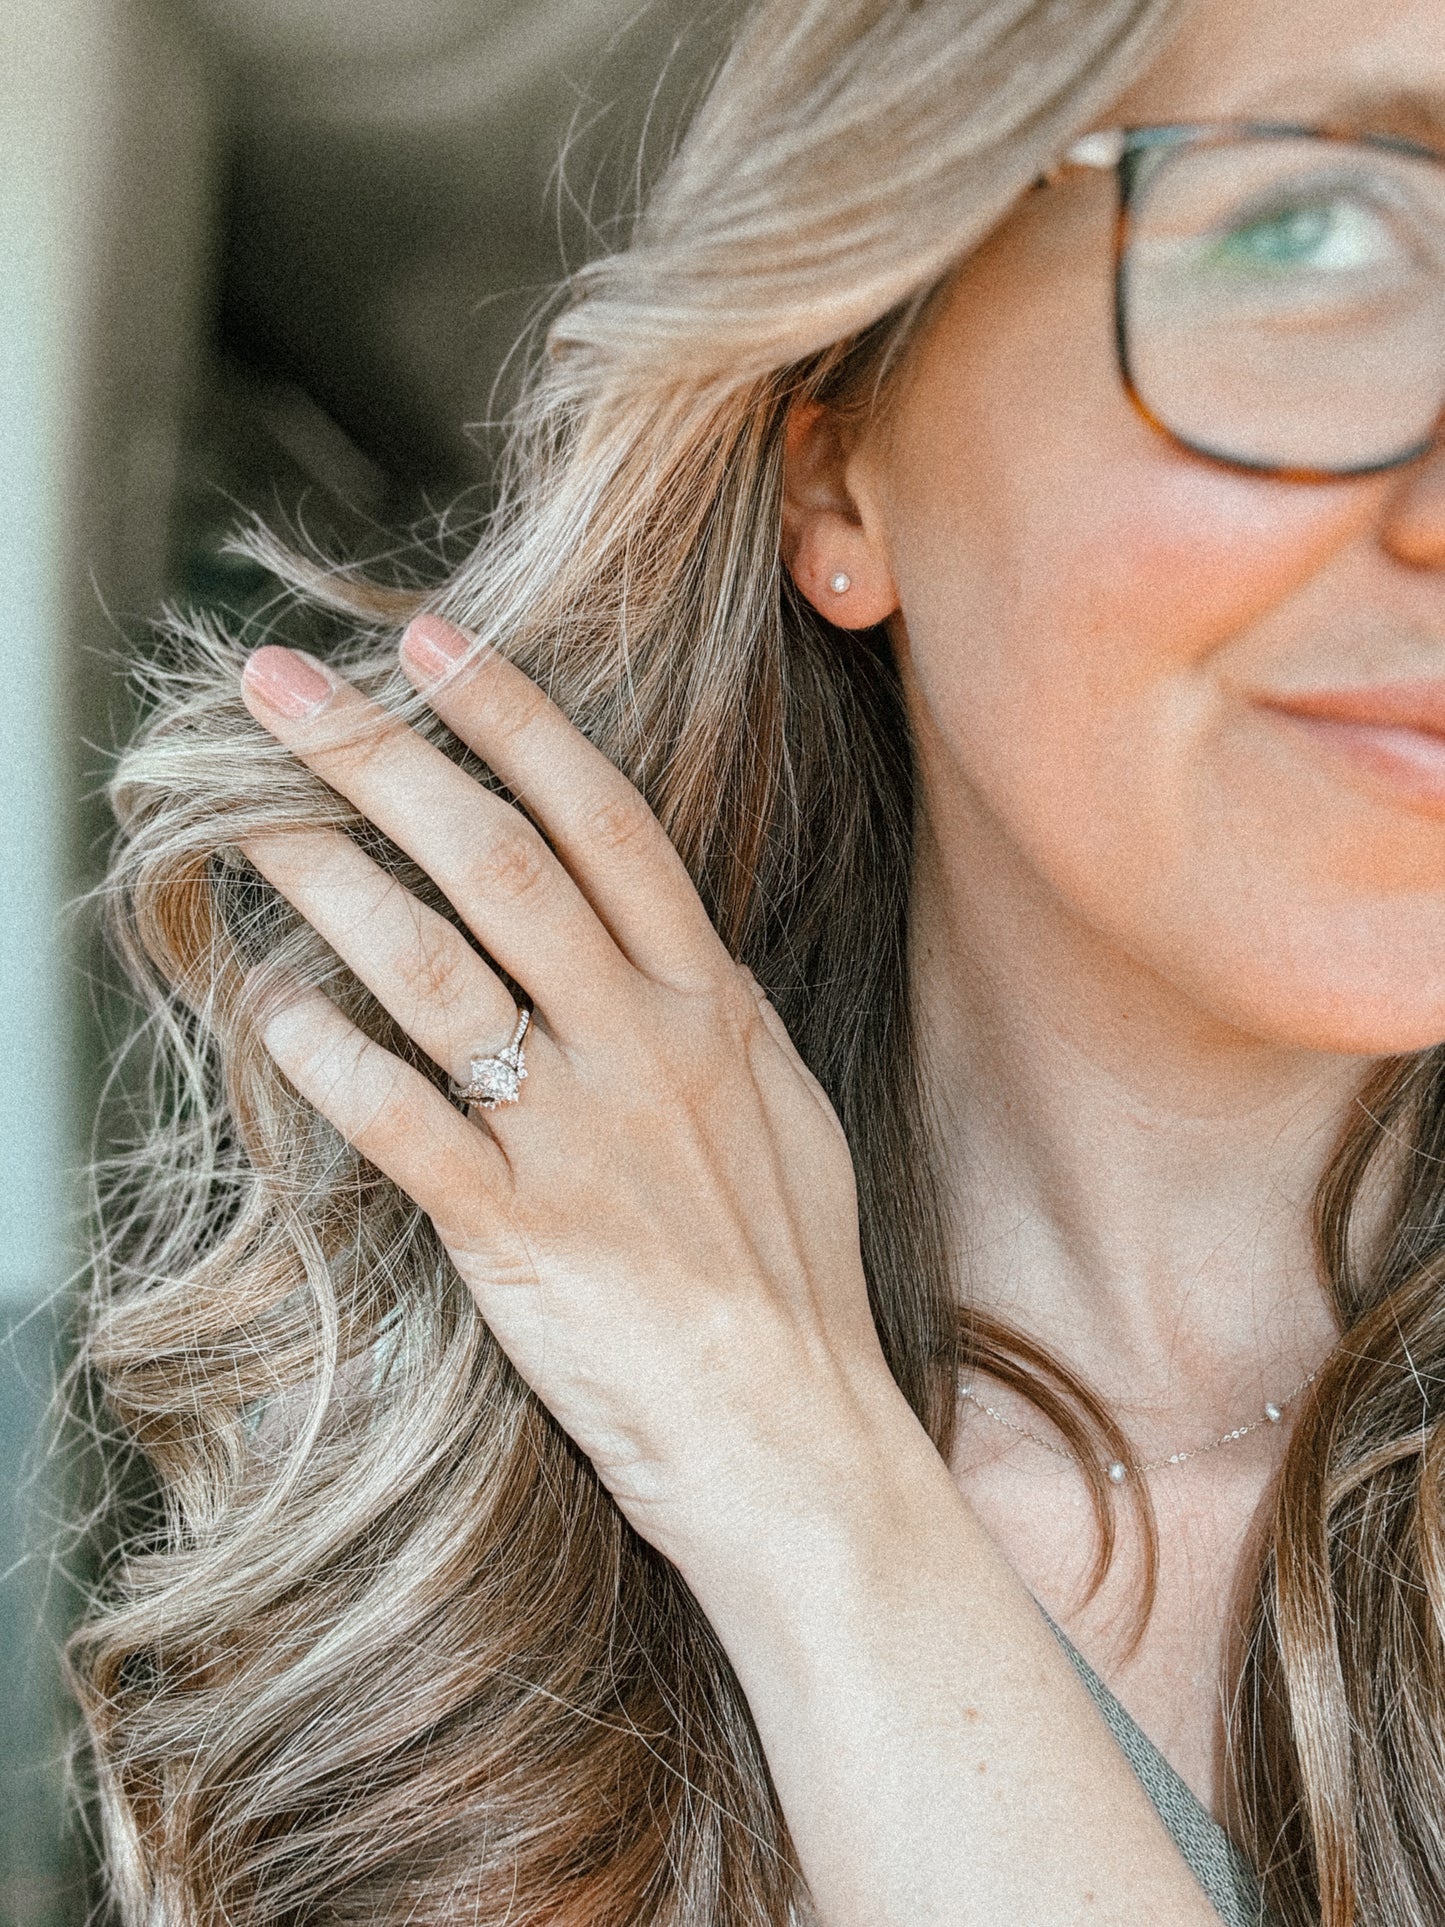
496	1079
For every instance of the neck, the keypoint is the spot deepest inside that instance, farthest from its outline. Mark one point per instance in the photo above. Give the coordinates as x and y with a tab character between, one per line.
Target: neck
1130	1176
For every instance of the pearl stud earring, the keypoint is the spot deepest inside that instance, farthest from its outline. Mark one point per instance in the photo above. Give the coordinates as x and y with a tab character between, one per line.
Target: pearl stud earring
841	584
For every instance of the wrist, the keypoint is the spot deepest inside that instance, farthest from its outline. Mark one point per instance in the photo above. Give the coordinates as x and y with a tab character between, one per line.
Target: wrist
838	1499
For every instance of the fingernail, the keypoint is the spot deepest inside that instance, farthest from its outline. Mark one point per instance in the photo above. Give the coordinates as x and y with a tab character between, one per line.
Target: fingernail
288	680
435	645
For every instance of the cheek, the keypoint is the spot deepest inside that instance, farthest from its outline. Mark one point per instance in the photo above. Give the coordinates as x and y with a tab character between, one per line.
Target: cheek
1136	568
1076	616
1074	639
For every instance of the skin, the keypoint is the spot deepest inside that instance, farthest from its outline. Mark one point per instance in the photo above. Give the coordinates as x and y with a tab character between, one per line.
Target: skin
1161	936
1155	980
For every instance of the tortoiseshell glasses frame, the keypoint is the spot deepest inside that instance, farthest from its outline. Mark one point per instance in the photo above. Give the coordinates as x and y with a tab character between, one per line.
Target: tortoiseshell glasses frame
1133	155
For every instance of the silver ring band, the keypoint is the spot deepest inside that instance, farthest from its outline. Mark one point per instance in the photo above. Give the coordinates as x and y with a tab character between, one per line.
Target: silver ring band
496	1078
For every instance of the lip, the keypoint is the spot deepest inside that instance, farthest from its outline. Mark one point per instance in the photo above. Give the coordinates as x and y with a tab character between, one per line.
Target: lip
1393	733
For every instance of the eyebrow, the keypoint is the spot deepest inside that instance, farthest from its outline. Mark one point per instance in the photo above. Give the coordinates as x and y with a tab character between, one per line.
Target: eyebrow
1400	113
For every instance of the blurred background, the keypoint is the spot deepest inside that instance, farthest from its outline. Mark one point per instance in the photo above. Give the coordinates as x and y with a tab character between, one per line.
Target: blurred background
255	255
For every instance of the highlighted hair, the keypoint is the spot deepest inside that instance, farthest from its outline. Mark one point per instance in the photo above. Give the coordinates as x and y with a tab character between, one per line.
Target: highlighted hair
374	1646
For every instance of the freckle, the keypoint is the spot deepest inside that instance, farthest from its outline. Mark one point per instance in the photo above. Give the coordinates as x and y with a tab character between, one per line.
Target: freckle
982	1766
970	1712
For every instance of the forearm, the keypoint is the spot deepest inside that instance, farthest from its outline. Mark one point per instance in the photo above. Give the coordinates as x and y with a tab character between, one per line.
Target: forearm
938	1761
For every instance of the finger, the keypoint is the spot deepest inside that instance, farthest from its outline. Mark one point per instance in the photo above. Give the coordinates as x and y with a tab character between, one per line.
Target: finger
419	967
394	1117
491	863
597	821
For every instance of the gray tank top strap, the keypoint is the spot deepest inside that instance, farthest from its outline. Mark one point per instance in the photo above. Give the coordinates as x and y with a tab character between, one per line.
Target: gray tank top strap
1212	1857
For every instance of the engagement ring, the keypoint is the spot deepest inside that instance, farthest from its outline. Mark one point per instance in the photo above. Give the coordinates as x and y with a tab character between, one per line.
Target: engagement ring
497	1078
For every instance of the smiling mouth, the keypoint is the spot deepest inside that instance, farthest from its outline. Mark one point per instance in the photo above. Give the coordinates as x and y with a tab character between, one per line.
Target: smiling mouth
1393	733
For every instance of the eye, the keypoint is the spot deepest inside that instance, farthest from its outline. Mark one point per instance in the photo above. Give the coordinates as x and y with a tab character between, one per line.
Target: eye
1337	236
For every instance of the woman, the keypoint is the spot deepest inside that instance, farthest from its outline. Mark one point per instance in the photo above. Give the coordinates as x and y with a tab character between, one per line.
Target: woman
629	1494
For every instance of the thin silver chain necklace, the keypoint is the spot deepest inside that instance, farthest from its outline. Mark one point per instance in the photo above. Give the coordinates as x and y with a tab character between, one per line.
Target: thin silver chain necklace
1118	1470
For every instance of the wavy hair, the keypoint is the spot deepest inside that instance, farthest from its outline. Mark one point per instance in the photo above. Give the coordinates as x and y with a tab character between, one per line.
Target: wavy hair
372	1645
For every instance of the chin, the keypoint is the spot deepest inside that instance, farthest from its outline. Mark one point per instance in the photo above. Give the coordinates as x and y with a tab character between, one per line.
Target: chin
1361	974
1348	1018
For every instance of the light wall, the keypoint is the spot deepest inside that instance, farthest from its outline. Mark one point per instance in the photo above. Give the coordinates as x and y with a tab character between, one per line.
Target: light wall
104	199
105	186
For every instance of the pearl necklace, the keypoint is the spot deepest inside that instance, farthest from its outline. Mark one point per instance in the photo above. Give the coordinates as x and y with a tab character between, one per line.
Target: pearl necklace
1118	1471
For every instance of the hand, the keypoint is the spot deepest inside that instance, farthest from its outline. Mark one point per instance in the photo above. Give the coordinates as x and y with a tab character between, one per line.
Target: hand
662	1232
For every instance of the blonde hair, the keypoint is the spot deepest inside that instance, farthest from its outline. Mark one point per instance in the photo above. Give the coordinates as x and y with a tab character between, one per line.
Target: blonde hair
374	1646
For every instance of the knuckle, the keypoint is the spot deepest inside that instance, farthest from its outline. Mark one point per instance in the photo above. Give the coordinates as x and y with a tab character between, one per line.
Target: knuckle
702	1045
392	1118
524	706
734	1005
513	864
438	969
377	744
618	822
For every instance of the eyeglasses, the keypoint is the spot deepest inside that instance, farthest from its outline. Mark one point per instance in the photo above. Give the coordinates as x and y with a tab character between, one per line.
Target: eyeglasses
1280	293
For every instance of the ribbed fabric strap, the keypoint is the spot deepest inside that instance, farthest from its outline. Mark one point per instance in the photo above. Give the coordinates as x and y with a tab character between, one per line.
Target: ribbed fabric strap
1212	1857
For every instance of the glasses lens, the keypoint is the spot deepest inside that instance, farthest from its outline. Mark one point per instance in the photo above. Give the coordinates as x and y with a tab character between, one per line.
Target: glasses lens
1284	299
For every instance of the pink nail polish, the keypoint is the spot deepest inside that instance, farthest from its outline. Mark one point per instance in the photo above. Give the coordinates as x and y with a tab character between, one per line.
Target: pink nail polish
435	645
288	681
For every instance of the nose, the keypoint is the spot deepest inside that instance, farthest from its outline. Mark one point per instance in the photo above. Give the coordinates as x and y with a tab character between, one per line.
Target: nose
1414	529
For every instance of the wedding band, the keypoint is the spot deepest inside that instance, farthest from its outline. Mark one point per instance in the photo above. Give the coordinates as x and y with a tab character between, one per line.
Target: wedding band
496	1078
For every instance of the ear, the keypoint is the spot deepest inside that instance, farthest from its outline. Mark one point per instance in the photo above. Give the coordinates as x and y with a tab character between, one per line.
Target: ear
826	539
